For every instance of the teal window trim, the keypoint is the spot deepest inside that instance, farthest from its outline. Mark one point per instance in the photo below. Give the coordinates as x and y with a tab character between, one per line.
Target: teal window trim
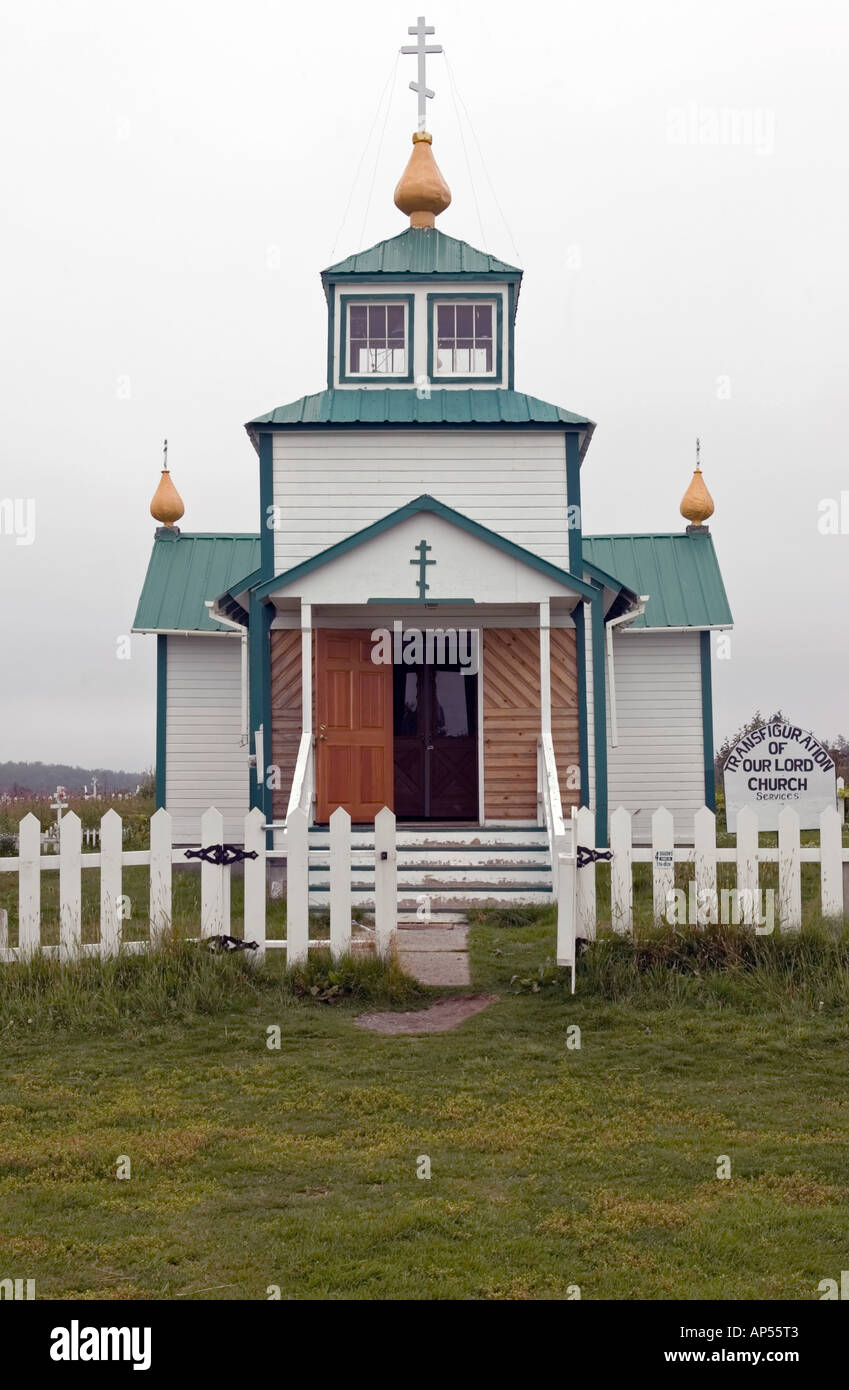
266	502
707	720
581	663
161	716
599	716
573	499
494	377
375	378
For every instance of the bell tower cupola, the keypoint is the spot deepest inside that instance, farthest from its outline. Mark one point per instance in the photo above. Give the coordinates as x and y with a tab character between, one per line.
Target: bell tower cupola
422	310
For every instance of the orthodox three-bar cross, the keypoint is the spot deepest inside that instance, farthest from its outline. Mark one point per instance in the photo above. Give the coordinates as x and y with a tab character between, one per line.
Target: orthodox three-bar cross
422	563
421	48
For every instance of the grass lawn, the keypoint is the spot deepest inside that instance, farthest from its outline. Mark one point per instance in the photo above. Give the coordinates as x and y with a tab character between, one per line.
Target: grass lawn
550	1166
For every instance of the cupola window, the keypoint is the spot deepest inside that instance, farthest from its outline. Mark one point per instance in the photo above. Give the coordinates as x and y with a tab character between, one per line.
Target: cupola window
377	334
465	338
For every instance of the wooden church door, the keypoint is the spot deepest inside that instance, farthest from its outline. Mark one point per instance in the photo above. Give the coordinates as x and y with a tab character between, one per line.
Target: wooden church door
354	757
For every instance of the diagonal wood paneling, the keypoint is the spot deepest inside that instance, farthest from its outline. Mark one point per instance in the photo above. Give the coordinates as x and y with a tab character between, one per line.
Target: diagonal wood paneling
564	713
285	711
511	722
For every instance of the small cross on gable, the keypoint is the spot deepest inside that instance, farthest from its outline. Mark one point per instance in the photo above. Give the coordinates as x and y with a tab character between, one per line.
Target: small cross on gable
422	563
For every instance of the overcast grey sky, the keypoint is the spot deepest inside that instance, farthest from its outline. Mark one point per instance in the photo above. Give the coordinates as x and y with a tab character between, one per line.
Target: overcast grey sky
175	176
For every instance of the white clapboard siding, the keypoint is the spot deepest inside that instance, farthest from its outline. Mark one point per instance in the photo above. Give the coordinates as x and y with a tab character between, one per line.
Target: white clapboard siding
205	765
659	757
330	483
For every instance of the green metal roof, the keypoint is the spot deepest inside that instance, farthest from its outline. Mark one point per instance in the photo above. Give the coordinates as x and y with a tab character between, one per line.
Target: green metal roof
184	571
421	251
403	406
680	573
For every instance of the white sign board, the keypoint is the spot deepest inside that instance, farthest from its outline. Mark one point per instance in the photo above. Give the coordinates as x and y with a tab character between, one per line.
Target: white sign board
778	765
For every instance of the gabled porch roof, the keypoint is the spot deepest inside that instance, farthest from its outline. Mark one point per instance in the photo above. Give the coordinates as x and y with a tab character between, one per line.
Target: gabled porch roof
427	505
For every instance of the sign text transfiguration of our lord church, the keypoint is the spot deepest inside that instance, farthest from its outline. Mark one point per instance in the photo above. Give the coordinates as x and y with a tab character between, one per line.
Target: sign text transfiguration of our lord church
778	765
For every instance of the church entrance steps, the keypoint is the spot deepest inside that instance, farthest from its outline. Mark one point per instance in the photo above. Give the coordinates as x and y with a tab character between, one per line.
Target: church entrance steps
443	869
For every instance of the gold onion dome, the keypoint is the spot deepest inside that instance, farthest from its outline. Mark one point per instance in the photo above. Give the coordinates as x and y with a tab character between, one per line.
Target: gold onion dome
166	505
422	191
697	503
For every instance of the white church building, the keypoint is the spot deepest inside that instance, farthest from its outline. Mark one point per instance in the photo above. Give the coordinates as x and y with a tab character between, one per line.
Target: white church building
425	617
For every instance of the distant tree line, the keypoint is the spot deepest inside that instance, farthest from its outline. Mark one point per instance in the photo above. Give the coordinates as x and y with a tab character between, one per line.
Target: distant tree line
35	779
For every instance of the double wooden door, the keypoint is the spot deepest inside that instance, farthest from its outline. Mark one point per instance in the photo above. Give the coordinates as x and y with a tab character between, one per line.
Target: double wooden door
400	736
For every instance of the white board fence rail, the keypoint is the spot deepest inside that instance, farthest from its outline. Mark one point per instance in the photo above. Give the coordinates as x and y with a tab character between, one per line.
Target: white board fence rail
30	865
702	901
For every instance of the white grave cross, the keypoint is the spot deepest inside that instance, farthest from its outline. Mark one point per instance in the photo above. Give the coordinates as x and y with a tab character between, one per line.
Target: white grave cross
59	805
421	49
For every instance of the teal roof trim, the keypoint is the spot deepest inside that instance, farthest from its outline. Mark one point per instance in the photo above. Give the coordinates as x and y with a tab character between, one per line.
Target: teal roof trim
421	251
459	408
680	573
184	570
426	503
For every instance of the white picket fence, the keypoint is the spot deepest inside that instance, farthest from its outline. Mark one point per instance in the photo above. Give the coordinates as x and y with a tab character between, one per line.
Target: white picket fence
576	887
577	906
111	860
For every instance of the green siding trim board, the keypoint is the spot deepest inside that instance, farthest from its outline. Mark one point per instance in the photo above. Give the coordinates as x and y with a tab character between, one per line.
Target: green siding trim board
599	716
331	339
511	337
707	720
161	716
259	694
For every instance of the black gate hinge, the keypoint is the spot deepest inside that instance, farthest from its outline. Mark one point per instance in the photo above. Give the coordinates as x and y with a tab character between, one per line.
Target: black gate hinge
221	854
589	856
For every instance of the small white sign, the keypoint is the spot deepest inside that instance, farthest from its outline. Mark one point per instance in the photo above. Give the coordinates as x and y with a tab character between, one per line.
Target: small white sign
664	858
778	765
